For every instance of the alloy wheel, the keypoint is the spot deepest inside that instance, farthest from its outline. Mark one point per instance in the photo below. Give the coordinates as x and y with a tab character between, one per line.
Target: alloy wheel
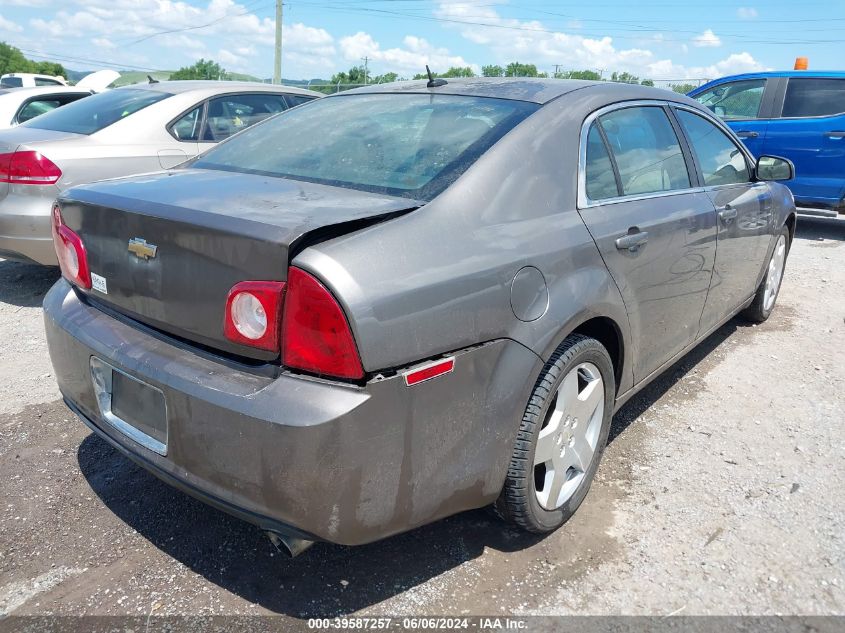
569	435
775	273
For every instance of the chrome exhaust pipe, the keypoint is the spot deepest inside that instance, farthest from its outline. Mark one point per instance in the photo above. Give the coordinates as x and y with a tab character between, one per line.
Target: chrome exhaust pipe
293	546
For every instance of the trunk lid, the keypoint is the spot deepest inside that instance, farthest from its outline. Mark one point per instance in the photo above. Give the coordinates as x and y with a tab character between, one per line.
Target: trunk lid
24	137
211	230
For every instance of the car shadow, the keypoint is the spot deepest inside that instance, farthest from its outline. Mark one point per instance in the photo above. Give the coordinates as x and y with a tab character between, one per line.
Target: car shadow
25	285
813	228
327	580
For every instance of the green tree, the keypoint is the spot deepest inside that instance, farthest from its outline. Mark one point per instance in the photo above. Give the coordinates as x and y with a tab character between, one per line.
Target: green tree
454	71
355	75
12	60
647	82
625	78
683	88
203	69
492	71
386	78
590	75
516	69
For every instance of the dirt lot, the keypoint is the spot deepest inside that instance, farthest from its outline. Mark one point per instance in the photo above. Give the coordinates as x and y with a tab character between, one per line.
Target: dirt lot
722	492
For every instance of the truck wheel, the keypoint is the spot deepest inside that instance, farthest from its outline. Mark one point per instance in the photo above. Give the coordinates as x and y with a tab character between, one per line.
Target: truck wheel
767	292
561	437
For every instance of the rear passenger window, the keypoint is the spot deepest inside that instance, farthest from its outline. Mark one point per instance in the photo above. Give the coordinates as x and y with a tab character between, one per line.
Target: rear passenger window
814	97
233	113
601	181
721	161
646	149
187	127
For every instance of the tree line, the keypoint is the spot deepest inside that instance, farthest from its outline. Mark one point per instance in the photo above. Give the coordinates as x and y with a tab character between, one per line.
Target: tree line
12	60
358	75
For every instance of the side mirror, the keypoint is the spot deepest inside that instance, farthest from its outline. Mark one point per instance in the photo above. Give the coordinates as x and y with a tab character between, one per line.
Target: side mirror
774	168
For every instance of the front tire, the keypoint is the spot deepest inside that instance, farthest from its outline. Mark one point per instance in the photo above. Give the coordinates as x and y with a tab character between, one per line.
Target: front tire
561	437
767	292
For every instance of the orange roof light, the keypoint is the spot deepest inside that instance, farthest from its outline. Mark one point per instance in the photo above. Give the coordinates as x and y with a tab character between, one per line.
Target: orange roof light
801	63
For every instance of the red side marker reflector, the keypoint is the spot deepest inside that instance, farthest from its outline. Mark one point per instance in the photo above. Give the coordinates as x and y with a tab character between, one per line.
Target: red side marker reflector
432	370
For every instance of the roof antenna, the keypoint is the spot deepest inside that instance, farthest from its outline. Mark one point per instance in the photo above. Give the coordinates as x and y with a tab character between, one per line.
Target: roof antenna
151	79
432	82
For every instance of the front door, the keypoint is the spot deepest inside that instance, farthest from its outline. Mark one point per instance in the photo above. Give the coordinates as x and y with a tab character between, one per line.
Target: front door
811	133
744	215
655	231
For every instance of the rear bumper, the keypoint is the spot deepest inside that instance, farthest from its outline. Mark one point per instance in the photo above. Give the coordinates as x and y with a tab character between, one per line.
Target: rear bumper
292	454
25	229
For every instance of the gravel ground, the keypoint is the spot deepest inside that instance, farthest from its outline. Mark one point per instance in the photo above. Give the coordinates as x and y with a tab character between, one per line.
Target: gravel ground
722	492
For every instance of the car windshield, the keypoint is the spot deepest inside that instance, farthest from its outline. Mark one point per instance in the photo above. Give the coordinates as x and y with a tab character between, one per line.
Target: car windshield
411	145
96	112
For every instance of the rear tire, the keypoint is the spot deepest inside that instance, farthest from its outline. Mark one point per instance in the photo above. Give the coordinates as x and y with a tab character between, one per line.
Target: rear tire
767	292
561	437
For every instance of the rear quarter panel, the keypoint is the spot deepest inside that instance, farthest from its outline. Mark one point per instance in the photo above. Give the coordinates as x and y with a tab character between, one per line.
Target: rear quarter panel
439	278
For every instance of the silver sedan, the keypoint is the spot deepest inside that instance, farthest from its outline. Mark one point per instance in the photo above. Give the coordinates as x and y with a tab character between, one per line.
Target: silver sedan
131	130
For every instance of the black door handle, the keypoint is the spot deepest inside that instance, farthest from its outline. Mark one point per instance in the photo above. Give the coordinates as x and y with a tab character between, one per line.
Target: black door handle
835	134
632	241
747	134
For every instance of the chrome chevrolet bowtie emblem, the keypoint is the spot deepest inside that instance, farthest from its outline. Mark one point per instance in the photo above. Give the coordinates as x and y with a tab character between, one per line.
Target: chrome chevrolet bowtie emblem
140	249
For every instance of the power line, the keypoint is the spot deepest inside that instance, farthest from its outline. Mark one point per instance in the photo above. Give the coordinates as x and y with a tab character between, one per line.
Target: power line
538	29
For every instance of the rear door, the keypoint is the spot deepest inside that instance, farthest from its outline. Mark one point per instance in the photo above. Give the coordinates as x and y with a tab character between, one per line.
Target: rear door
655	228
745	105
811	133
232	113
744	211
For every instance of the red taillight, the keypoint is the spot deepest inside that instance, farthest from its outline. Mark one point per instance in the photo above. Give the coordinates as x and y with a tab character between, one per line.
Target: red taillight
254	313
73	259
315	333
300	318
28	168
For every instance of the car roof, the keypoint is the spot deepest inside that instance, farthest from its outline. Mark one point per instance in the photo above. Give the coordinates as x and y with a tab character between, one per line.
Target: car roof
217	87
813	74
534	90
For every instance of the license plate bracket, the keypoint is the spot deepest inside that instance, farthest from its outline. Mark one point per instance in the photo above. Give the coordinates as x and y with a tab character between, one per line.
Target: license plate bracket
133	407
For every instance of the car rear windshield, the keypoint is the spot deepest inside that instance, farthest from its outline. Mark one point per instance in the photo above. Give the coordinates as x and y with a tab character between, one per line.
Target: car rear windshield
411	145
11	82
96	112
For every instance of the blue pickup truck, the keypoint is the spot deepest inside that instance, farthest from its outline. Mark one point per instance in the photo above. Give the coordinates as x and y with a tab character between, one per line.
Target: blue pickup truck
799	115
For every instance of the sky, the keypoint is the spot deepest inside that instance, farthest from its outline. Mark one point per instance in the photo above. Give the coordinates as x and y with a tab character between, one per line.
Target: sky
656	39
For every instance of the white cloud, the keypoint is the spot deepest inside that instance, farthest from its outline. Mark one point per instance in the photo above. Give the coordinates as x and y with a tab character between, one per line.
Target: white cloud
747	13
103	42
735	64
9	26
532	42
708	39
409	59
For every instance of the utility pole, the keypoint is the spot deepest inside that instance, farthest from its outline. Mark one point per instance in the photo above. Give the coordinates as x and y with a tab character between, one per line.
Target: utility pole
277	64
366	61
